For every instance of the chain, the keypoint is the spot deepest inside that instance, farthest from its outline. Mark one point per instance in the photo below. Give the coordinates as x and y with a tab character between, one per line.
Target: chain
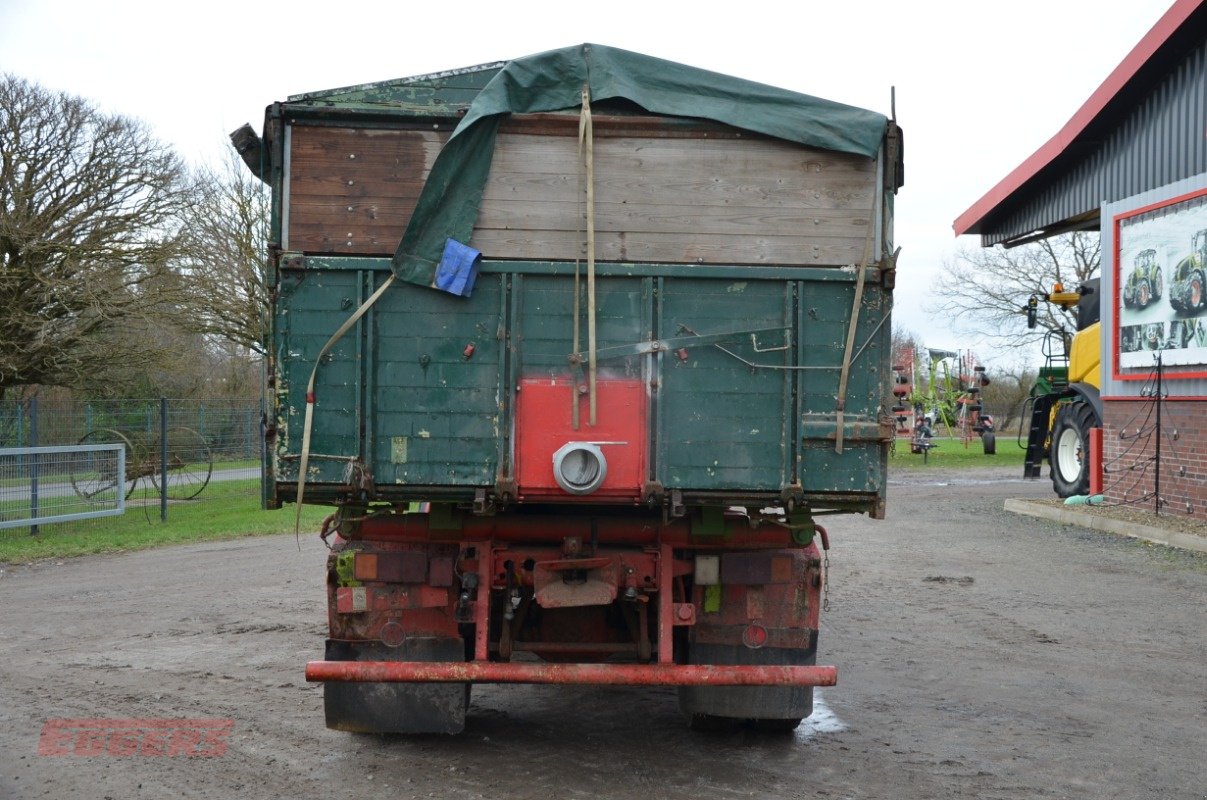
825	599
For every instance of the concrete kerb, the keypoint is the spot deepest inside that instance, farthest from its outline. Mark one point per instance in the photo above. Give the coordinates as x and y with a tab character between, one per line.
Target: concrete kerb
1070	516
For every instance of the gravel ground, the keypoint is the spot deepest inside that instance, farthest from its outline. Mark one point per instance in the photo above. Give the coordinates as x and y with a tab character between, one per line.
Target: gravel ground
980	654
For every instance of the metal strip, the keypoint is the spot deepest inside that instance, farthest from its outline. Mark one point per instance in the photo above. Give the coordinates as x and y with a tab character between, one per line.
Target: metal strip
286	200
597	674
666	623
837	274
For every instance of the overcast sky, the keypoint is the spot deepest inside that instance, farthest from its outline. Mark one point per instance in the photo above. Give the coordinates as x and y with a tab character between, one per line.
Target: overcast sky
980	85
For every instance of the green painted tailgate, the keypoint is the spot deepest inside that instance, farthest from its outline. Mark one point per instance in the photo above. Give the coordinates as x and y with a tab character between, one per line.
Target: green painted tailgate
742	398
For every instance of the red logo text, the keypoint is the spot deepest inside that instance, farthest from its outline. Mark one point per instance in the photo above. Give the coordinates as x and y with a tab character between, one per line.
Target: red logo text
191	738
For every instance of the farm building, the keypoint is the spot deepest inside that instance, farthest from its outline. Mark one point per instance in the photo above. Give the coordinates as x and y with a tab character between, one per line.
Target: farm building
1131	163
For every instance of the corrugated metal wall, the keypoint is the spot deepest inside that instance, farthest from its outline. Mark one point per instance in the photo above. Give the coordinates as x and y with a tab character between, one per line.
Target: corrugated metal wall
1160	142
1181	387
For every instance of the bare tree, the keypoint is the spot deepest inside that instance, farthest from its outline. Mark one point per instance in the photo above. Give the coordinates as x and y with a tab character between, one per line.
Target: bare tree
985	290
89	226
1006	394
226	237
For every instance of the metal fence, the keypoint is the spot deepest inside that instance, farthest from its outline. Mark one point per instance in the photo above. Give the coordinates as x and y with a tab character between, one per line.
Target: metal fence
172	449
41	485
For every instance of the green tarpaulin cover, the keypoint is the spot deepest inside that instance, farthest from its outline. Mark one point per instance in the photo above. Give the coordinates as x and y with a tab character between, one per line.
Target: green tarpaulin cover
448	205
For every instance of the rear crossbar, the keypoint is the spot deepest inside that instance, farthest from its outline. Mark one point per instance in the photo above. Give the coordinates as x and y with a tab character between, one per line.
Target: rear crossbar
601	674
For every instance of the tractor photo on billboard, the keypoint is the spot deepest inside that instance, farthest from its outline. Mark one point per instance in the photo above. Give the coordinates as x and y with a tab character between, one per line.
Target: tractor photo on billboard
1144	285
1186	288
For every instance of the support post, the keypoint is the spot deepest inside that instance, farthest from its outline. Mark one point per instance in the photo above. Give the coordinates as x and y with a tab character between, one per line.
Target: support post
1157	455
1095	461
33	464
163	459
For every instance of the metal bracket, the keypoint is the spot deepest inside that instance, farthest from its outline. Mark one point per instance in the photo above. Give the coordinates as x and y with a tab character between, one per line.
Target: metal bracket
484	505
655	346
754	344
677	509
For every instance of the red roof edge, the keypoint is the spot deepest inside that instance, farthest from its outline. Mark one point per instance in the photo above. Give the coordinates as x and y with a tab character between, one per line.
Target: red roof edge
1119	78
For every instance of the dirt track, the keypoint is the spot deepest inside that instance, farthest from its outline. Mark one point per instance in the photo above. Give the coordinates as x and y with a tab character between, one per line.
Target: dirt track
980	655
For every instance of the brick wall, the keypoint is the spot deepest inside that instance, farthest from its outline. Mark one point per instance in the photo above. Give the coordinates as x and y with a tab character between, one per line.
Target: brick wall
1129	445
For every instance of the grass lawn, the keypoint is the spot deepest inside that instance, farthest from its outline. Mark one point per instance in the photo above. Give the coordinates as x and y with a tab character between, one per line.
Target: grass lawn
225	510
952	454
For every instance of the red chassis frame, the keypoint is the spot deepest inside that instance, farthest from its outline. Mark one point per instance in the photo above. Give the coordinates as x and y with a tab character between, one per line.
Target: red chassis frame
483	544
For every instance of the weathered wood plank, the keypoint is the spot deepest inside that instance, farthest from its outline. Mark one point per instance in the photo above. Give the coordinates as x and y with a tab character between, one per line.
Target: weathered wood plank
671	248
336	187
558	154
686	219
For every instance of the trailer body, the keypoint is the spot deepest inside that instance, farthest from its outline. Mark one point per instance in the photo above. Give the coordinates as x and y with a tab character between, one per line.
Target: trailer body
603	465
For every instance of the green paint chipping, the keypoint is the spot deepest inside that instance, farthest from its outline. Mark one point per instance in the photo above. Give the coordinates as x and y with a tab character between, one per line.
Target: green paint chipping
344	565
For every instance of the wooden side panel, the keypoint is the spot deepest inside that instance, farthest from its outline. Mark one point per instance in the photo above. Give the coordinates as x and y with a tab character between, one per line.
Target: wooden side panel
352	190
674	199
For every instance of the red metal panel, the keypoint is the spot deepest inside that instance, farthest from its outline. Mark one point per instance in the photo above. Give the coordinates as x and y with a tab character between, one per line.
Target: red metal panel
441	572
543	425
405	566
666	605
612	529
1095	461
482	603
600	674
356	599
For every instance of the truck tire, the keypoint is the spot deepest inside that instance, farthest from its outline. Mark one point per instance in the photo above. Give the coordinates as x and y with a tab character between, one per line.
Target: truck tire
776	726
766	709
396	707
989	442
1069	452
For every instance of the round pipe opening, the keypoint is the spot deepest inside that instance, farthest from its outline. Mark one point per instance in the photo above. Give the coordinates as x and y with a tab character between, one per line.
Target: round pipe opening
579	467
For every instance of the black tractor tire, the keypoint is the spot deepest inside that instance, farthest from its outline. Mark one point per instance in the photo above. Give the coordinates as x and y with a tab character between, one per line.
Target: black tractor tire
1069	452
1158	284
1143	294
989	442
1198	293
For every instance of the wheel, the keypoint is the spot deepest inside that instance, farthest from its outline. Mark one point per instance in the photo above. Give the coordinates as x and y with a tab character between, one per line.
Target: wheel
1142	294
708	723
1070	449
190	464
95	473
775	726
1158	284
1196	292
989	442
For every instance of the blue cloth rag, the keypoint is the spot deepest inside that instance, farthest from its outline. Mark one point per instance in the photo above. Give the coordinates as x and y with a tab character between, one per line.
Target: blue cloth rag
458	269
